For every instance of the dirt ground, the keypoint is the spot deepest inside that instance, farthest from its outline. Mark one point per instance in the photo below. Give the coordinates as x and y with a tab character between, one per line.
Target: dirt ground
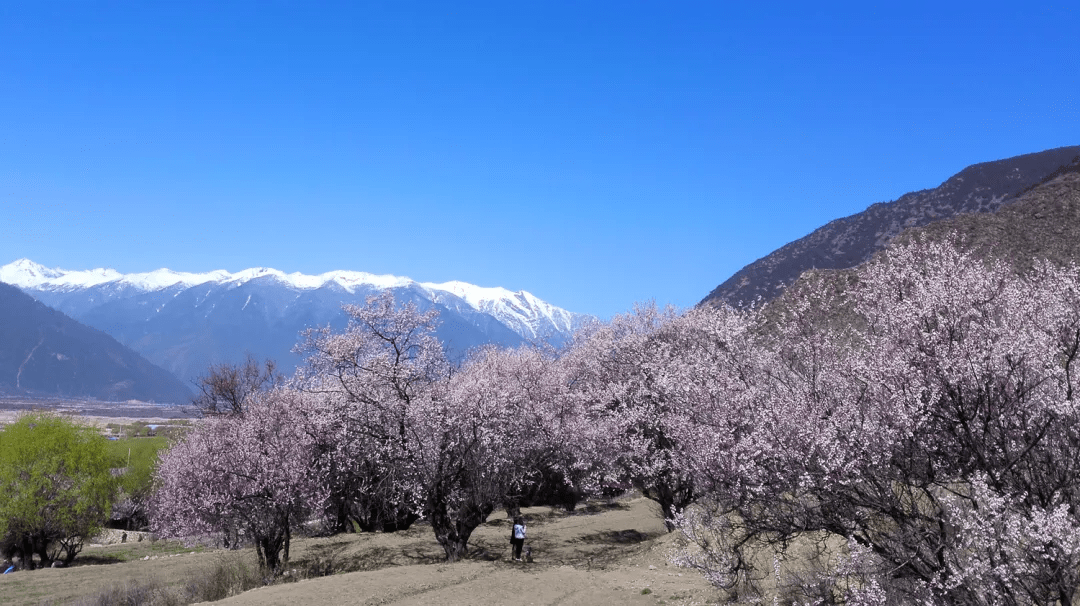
611	553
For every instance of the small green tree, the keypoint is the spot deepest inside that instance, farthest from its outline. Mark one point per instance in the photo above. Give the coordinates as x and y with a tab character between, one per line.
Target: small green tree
137	457
55	488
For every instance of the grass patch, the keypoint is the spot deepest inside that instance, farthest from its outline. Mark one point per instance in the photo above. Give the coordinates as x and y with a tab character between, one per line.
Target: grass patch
616	549
145	593
128	552
226	576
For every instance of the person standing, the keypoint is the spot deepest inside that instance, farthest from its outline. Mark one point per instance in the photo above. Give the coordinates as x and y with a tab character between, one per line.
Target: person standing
517	537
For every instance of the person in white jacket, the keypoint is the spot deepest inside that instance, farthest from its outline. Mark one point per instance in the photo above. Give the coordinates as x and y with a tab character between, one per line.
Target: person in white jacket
517	537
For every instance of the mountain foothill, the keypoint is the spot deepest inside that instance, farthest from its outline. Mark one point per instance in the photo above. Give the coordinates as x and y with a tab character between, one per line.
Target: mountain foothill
112	336
45	353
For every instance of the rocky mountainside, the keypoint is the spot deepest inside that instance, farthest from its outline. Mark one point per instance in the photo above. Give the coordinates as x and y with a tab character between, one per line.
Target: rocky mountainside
1042	223
184	322
847	242
44	352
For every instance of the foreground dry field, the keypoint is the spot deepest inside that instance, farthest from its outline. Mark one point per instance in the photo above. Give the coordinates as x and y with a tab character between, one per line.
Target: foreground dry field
610	554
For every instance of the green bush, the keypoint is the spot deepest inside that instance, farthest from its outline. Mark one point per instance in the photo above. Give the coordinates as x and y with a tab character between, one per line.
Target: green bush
55	488
137	457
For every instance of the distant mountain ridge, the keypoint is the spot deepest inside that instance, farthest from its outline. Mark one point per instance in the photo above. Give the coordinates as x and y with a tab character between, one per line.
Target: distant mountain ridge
185	321
849	241
44	352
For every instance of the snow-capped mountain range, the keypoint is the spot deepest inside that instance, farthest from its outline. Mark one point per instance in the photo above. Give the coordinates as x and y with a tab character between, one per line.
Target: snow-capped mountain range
185	321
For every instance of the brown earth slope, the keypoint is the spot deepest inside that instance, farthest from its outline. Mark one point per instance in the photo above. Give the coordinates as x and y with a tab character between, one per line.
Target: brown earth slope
611	554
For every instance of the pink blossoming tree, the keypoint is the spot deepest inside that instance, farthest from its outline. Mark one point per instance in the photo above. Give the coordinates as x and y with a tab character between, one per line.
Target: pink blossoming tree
934	429
250	473
366	382
651	377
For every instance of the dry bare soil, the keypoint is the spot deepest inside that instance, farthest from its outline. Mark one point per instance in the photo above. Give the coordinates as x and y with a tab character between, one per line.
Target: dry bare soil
611	553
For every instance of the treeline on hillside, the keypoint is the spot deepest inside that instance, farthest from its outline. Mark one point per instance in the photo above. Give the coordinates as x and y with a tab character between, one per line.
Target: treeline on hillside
913	421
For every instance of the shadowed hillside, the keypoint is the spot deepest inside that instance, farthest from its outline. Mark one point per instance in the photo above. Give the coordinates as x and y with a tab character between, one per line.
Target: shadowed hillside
1043	223
44	352
847	242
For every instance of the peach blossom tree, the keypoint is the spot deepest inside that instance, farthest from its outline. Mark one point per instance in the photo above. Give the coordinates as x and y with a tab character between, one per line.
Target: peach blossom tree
250	473
934	431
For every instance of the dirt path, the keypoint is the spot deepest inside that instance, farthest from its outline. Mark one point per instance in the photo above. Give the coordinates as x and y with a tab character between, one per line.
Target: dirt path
486	583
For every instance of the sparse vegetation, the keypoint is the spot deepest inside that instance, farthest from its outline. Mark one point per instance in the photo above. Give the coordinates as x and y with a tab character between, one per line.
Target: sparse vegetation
225	576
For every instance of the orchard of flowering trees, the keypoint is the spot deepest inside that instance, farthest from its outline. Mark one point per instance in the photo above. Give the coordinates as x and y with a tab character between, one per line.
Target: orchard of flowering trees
913	423
377	431
924	416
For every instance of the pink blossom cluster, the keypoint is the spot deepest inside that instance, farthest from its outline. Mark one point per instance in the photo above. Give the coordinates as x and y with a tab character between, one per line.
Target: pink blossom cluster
247	477
922	410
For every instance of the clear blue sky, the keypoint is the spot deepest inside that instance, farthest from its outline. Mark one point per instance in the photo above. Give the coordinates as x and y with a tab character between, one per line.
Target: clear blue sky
594	154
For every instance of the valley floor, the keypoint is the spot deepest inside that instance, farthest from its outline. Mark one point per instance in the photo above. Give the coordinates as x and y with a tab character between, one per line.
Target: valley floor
92	411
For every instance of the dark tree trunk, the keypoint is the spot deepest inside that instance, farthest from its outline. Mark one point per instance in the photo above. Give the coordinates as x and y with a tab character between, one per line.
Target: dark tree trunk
673	496
26	553
41	548
270	552
341	521
452	530
273	547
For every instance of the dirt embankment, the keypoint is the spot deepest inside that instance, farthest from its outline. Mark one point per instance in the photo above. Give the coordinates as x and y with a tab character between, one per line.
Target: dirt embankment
616	556
612	554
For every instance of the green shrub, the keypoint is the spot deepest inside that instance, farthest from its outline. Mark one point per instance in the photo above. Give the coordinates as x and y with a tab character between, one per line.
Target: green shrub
137	457
55	488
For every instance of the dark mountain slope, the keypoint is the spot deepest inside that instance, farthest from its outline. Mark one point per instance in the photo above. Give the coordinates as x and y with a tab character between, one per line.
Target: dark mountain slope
1043	223
847	242
44	352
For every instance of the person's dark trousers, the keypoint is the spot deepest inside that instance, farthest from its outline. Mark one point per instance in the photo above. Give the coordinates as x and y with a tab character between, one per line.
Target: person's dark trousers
517	543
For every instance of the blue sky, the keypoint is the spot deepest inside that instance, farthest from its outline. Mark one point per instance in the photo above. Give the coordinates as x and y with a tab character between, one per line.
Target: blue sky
594	154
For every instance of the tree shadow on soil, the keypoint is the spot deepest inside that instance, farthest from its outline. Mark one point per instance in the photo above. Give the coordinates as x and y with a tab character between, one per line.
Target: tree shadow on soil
621	537
598	508
334	558
96	560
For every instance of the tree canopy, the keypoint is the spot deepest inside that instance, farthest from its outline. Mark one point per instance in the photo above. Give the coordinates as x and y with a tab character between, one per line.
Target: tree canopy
55	488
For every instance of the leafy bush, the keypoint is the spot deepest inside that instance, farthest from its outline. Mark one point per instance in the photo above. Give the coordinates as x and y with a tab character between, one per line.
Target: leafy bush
138	458
55	488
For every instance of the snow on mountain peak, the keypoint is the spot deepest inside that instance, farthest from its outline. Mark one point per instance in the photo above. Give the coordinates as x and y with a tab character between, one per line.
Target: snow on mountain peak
24	273
520	310
473	295
164	278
